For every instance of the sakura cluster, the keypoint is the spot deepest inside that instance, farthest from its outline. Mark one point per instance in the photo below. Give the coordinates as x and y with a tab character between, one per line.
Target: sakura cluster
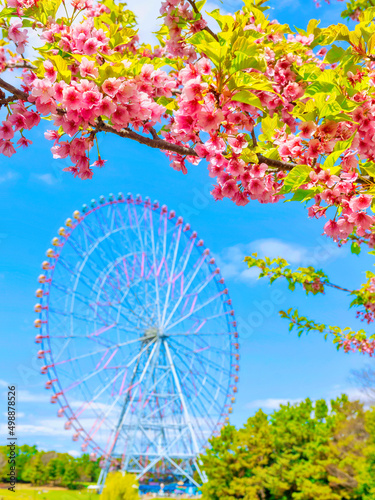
76	107
175	11
335	190
8	61
19	120
223	120
228	123
21	5
81	38
366	346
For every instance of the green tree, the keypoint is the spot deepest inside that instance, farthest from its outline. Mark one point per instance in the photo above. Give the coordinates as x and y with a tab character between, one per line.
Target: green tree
24	456
71	475
36	472
300	452
120	486
54	471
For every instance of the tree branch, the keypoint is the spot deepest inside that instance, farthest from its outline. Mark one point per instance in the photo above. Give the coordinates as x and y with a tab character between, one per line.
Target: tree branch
23	65
155	142
209	30
19	94
280	165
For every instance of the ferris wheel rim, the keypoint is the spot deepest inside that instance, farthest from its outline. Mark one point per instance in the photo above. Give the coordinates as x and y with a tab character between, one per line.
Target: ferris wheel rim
55	378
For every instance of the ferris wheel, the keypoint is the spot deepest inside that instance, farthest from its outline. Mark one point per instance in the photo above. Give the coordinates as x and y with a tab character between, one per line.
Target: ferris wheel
138	337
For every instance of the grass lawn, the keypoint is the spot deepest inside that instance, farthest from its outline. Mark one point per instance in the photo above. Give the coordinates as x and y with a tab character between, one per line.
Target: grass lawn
25	492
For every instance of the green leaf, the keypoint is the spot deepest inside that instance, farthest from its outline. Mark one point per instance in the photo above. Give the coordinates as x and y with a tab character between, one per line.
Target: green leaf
243	61
62	67
248	97
355	248
296	177
338	150
205	43
304	194
224	21
200	4
334	55
249	156
269	125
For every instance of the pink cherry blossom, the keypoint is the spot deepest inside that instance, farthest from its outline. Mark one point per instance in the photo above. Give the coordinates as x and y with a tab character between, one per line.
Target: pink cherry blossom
88	68
7	148
360	202
6	131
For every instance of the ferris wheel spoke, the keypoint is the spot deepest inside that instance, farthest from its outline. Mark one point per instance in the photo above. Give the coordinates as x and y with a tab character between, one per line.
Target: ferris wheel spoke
166	303
89	403
98	370
196	334
205	346
183	295
88	377
184	404
119	313
134	359
130	309
142	307
194	310
219	368
82	298
209	394
199	410
154	265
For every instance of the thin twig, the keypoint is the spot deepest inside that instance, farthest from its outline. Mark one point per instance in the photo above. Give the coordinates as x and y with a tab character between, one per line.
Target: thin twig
209	30
338	287
153	133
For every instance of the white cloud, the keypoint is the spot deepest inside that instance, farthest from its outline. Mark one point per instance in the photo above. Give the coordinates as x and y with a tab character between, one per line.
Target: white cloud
270	403
74	453
19	414
48	179
43	427
3	383
24	396
9	176
354	394
231	260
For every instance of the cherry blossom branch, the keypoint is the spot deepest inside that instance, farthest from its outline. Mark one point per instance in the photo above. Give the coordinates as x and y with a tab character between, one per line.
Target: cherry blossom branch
206	28
156	142
19	94
23	65
338	287
281	165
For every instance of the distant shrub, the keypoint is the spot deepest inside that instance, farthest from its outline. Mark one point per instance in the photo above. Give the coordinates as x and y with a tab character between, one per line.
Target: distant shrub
120	486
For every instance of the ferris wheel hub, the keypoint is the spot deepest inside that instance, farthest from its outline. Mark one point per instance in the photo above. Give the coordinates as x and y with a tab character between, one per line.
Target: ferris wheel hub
152	333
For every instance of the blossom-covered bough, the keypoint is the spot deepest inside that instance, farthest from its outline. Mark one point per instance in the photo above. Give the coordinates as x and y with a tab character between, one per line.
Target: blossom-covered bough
274	112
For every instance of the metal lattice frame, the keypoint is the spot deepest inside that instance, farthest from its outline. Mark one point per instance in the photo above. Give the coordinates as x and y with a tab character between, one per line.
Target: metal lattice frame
138	336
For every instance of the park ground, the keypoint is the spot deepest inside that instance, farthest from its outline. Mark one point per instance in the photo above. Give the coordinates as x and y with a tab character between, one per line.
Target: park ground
28	492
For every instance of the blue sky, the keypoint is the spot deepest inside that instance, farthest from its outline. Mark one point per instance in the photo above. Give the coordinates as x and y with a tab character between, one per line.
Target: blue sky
276	366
